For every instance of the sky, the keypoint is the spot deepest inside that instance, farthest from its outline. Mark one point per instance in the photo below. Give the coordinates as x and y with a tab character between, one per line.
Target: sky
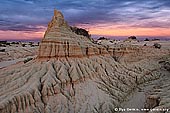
28	19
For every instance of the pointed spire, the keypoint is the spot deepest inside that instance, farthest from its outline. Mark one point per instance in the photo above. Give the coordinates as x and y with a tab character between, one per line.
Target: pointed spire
55	12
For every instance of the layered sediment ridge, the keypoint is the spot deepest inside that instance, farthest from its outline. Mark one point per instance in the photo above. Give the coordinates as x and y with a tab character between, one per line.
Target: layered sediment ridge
50	48
72	75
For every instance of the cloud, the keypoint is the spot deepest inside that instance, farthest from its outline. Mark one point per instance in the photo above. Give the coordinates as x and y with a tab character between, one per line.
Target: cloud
27	15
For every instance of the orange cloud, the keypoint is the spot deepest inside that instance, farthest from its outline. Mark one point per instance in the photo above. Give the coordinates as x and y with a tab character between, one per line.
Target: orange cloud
131	31
123	29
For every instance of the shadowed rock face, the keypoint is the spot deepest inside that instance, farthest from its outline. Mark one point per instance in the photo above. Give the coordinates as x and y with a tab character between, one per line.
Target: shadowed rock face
70	74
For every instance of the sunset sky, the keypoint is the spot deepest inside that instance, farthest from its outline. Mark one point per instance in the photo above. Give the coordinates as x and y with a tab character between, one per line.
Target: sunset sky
28	19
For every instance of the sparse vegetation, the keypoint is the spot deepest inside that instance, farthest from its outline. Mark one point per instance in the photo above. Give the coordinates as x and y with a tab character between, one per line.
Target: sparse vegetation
12	42
31	44
3	42
145	44
80	31
9	44
2	50
155	39
23	45
38	43
16	42
146	39
157	45
132	37
27	60
102	38
111	41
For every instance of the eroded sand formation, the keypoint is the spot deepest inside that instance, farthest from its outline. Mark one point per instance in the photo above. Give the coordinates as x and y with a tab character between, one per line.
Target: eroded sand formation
13	53
72	74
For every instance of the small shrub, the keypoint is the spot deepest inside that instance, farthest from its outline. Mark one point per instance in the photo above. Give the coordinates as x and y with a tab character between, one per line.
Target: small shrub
8	44
2	50
156	45
3	42
27	60
146	39
145	44
102	38
132	37
23	45
12	42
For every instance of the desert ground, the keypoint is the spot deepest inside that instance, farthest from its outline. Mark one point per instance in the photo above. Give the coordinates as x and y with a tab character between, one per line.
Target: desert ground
15	52
69	73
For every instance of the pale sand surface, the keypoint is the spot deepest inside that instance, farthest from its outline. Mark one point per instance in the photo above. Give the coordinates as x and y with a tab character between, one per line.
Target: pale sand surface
138	98
14	53
11	62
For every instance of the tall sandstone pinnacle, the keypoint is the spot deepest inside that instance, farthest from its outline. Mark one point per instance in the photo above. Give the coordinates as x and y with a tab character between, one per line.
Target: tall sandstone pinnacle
59	41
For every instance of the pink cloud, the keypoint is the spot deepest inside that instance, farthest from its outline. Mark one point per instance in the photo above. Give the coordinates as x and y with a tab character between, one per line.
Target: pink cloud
20	35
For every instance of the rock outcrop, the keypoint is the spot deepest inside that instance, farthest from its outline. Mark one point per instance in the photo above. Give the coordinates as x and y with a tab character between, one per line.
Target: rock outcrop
71	74
59	41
